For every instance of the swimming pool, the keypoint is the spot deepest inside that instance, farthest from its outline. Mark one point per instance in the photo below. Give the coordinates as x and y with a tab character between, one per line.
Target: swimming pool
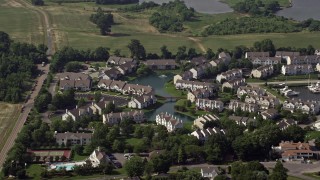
68	166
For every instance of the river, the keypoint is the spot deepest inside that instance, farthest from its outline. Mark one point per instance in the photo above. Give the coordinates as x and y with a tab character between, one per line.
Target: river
202	6
302	10
158	83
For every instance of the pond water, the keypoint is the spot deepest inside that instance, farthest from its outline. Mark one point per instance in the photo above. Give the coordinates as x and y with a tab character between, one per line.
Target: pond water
158	82
302	10
202	6
305	94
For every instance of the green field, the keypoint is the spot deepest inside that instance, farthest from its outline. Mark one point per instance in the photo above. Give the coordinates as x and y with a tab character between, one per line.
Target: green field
9	114
71	27
23	25
312	135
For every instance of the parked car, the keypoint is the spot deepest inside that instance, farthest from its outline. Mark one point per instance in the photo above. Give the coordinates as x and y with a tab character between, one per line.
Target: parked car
117	164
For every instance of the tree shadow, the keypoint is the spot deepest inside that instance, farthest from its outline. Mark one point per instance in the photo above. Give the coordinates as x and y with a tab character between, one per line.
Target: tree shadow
119	35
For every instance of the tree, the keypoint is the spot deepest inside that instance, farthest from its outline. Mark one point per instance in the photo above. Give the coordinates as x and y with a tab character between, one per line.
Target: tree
118	146
126	126
103	21
81	102
181	54
294	133
134	167
97	97
38	2
161	164
78	149
182	157
165	53
4	42
73	66
137	50
209	54
279	172
101	54
192	53
42	101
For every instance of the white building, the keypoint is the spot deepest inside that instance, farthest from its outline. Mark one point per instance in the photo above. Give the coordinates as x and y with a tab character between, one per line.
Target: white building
262	71
170	122
209	172
73	138
201	120
198	94
311	59
294	69
229	75
308	107
141	102
266	61
116	118
209	104
97	157
235	104
249	90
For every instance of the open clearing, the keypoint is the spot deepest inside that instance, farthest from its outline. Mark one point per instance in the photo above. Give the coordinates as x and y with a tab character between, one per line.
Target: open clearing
9	114
22	24
71	27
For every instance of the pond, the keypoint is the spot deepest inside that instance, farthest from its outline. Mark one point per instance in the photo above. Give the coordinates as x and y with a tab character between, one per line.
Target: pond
158	82
202	6
302	10
305	94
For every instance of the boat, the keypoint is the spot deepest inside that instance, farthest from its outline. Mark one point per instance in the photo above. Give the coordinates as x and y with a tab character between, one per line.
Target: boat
291	93
314	88
282	84
162	76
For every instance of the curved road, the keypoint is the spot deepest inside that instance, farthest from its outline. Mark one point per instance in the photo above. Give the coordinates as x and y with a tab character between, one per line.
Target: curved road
30	103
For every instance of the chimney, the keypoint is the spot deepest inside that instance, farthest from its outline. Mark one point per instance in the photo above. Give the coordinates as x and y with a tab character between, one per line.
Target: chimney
76	106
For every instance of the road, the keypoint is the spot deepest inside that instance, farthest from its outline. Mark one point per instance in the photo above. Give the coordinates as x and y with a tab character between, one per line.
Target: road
23	116
30	103
287	82
297	169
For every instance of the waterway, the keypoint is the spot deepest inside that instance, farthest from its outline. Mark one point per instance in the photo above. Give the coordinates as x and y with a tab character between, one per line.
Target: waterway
302	10
158	83
202	6
305	94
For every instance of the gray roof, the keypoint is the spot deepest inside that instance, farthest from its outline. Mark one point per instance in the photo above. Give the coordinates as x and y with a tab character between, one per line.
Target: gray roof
161	62
73	76
70	135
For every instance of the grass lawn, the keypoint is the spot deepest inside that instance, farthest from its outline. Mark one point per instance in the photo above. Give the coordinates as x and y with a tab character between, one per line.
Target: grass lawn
55	118
9	114
293	178
133	141
313	175
77	157
274	92
171	89
312	135
71	27
20	23
34	171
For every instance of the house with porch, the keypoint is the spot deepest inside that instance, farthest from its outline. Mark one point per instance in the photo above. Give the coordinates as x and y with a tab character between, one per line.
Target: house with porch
208	104
169	121
291	151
